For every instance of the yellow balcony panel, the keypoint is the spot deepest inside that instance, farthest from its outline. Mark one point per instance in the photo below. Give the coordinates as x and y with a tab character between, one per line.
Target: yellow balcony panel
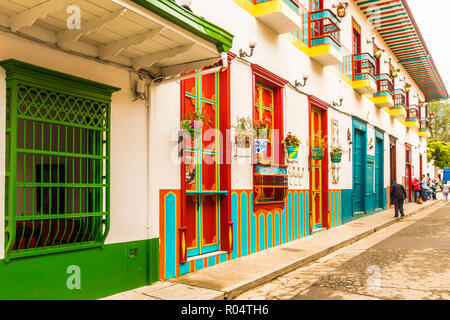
382	101
278	15
424	133
412	123
325	54
398	113
365	86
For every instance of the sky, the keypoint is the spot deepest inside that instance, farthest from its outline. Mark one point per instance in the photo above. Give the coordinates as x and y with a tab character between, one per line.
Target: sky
434	23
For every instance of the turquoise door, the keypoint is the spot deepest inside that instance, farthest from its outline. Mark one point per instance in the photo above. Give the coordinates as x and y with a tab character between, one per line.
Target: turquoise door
379	174
358	171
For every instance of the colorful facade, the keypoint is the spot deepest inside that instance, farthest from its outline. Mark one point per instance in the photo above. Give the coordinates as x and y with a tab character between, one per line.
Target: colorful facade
123	163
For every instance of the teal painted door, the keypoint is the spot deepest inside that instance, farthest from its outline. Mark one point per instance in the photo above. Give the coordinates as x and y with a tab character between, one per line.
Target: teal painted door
379	173
358	172
369	196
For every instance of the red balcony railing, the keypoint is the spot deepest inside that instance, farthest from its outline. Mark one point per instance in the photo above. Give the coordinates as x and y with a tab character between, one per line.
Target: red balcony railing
399	98
363	66
324	29
385	83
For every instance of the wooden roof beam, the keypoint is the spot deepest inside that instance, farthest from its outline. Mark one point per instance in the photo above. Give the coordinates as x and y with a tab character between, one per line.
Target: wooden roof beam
28	17
115	48
66	36
149	60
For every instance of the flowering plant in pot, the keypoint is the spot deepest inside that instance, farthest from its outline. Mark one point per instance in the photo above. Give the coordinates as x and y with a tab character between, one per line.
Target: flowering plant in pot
341	9
244	133
395	73
319	146
336	154
378	53
262	130
292	143
193	123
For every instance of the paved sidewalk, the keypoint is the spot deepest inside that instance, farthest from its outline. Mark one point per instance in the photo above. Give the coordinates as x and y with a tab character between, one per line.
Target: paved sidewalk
229	279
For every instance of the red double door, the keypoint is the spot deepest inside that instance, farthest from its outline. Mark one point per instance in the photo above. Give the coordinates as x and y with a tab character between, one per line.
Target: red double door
204	171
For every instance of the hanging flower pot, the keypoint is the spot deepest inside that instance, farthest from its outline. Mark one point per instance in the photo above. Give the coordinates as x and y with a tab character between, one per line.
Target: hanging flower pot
292	152
317	153
378	53
261	146
395	73
292	143
192	128
243	141
336	157
341	9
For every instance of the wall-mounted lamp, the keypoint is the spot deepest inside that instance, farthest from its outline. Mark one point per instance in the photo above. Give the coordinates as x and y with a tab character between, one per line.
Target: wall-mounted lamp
371	41
252	44
305	78
186	4
341	99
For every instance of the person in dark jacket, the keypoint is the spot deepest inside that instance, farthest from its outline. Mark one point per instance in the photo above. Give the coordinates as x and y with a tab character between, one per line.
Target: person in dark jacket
398	196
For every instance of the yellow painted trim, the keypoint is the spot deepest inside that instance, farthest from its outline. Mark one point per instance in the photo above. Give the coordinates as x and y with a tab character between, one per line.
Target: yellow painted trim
381	100
265	8
426	134
397	112
295	42
361	83
246	5
412	123
341	75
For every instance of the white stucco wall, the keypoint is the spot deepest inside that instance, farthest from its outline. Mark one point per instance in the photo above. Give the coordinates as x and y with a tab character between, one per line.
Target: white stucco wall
128	133
135	191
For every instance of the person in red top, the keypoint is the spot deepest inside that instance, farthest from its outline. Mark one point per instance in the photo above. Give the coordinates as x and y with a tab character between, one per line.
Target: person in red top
416	189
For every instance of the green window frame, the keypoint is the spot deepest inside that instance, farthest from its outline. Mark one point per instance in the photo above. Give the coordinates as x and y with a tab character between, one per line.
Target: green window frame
57	161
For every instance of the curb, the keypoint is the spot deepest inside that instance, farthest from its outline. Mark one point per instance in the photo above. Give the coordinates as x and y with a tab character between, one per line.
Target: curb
243	287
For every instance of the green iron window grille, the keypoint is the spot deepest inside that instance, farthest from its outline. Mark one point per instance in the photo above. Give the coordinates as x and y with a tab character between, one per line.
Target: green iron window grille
57	161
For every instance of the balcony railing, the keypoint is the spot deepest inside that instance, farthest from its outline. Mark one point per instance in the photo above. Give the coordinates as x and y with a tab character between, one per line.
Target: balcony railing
363	67
399	98
424	123
413	113
385	85
324	29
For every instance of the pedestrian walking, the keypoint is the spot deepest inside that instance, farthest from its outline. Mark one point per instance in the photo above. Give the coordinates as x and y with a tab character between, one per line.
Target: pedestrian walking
398	195
424	188
446	190
416	189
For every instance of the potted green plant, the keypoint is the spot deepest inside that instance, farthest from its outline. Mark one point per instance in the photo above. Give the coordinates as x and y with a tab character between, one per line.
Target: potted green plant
407	87
319	145
291	142
336	154
193	123
378	53
395	73
262	131
243	129
341	9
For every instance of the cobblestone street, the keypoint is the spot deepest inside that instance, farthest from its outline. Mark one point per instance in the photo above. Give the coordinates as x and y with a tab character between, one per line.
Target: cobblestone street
408	260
